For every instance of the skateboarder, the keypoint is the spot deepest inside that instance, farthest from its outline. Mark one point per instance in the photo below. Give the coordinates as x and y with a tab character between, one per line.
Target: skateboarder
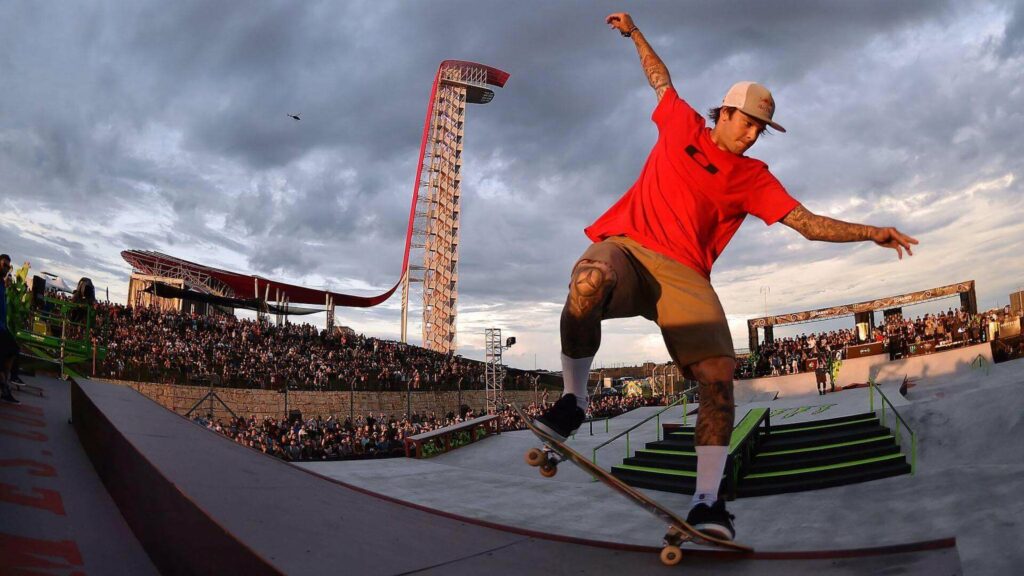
653	251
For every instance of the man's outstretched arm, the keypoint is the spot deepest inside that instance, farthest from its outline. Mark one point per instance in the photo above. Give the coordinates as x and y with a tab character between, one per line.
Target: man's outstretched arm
825	229
654	68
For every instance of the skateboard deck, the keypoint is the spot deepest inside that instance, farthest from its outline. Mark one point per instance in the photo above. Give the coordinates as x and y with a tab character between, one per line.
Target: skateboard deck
679	531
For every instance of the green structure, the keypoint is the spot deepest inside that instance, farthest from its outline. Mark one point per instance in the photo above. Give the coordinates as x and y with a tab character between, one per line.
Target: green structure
52	329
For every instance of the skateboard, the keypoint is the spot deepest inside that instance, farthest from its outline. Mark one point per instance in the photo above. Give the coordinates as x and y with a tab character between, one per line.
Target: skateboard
553	452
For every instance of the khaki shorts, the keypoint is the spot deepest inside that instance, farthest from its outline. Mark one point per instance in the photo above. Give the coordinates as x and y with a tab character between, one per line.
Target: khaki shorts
679	299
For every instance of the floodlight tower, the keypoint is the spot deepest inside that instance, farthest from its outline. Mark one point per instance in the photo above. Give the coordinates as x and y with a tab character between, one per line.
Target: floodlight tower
435	205
494	368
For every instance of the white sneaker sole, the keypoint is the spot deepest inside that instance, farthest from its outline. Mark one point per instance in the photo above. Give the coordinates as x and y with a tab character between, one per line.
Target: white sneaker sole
715	530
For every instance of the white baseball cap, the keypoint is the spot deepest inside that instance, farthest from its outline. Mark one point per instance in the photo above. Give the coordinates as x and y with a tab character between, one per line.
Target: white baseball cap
754	100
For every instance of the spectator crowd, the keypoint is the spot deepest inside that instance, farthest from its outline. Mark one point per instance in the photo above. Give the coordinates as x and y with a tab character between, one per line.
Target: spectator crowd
377	436
900	337
149	345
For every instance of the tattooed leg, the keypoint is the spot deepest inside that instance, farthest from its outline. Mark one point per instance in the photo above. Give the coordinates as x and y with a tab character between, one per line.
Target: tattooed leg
717	407
591	286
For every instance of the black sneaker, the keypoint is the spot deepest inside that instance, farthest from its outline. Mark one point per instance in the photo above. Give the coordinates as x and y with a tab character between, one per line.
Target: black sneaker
10	398
713	520
562	419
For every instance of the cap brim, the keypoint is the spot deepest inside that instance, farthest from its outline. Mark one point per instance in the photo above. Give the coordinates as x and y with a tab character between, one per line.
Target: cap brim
768	121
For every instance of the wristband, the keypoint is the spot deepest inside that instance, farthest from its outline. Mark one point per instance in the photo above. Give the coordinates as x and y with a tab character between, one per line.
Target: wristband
630	33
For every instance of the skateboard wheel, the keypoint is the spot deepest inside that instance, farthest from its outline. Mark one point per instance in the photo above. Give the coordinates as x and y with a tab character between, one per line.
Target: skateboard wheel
535	457
548	469
671	555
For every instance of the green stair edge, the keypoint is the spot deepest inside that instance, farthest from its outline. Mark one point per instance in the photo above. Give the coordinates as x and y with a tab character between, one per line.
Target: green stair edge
670	452
850	464
774	432
823	426
826	447
664	471
687	474
742	429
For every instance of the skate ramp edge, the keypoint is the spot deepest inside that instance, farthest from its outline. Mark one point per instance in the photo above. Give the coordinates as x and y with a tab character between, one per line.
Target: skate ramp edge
201	504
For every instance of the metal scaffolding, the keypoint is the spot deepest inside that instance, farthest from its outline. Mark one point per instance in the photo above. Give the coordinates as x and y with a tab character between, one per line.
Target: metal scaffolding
494	370
436	217
162	266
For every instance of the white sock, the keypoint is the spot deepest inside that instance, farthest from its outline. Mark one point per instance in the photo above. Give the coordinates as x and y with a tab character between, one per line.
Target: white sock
575	373
710	466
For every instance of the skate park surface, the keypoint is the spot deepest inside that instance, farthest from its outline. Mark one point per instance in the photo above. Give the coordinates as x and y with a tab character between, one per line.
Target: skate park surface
495	513
967	481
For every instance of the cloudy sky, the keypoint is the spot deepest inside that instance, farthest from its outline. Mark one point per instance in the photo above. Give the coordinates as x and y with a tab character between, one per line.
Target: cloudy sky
162	126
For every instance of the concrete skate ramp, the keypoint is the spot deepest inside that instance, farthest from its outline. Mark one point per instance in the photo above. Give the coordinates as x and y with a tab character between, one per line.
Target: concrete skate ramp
201	504
747	395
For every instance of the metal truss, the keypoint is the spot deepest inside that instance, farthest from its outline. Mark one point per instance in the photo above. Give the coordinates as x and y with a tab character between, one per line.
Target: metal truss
164	266
437	214
494	370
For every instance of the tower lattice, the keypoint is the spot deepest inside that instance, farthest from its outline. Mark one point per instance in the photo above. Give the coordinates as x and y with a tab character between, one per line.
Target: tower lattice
436	198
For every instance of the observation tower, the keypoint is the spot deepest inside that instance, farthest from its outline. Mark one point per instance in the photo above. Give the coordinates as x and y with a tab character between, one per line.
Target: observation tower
435	211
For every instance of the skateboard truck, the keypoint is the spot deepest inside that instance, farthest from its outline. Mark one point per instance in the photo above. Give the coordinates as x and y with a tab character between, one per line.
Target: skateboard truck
671	553
546	459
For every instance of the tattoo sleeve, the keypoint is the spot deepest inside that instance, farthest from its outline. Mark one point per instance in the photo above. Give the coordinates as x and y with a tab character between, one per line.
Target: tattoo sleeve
825	229
654	68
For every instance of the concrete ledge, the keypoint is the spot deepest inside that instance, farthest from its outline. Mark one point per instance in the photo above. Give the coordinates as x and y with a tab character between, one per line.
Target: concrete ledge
178	536
489	424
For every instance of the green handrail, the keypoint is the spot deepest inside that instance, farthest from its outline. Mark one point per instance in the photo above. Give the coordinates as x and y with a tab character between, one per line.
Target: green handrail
682	400
872	387
740	450
980	362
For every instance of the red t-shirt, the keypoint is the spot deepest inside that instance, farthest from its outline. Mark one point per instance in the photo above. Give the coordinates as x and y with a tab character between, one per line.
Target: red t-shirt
691	196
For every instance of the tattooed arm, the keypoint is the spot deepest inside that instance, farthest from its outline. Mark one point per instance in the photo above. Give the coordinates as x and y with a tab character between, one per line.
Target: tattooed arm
654	68
825	229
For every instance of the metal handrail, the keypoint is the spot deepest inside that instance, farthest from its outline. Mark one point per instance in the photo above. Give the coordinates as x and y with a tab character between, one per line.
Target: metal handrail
592	420
683	400
872	387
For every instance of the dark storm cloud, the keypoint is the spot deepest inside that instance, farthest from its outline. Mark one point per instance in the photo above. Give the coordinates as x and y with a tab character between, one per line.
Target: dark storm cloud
176	112
1012	44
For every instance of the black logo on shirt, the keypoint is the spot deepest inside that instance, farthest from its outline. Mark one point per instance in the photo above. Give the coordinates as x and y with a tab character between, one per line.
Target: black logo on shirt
701	159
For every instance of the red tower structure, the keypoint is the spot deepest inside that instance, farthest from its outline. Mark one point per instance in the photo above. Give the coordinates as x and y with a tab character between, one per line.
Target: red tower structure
435	214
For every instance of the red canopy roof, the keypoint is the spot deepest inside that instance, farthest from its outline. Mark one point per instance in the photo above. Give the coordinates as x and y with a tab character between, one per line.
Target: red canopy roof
240	285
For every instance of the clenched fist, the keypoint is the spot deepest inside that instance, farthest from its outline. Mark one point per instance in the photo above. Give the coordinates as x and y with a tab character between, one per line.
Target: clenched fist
622	22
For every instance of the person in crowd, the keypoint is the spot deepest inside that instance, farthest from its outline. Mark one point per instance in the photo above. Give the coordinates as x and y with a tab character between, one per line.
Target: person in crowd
821	376
8	345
